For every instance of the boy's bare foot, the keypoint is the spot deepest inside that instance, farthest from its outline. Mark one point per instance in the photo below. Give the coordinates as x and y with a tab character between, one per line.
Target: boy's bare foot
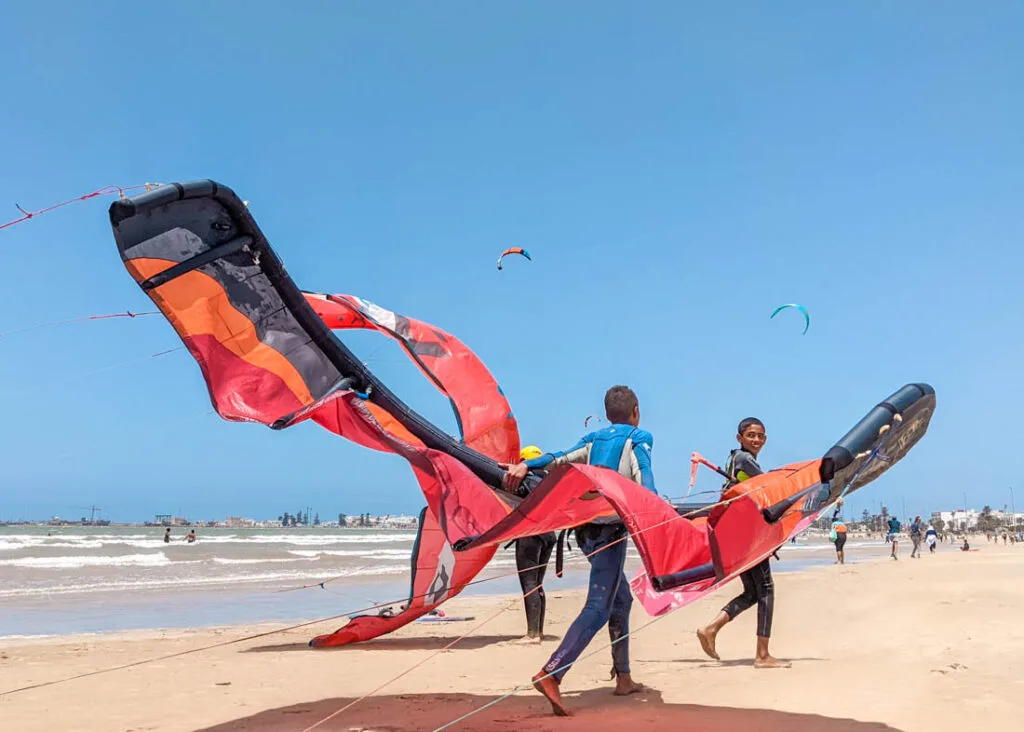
547	686
527	640
707	642
770	662
624	686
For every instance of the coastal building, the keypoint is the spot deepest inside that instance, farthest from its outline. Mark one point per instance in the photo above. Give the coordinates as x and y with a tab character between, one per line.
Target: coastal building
966	519
237	522
395	522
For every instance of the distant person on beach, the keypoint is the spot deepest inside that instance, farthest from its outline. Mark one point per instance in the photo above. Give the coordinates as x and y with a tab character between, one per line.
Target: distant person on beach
894	536
916	534
966	547
758	586
167	536
625	448
191	538
838	534
930	537
532	556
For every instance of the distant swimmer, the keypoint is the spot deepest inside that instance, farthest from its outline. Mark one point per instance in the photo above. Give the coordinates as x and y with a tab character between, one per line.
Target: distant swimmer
191	538
894	536
625	448
931	536
758	585
167	536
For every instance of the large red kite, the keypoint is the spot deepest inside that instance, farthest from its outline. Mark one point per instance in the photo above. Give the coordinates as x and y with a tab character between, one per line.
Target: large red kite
270	354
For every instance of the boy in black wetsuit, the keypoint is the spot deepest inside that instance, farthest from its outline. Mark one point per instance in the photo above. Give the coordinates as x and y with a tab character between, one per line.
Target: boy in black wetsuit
532	556
758	587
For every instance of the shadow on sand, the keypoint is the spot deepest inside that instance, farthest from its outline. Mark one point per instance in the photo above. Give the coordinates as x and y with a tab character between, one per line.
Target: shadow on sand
594	711
725	663
421	643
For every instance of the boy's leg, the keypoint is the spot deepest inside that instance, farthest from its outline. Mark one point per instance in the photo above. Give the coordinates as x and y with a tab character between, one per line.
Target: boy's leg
618	631
527	559
765	588
547	545
738	604
605	569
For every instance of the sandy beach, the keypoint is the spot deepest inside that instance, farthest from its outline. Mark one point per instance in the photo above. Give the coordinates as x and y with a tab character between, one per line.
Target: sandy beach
930	644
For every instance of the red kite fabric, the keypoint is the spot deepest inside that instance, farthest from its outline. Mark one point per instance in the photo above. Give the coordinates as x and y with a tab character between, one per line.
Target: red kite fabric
485	418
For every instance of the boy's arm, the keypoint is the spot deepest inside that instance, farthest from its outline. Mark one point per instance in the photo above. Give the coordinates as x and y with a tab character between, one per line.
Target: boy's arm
745	465
642	452
578	453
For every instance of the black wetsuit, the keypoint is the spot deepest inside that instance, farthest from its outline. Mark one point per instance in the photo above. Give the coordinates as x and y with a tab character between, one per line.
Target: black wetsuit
532	555
758	585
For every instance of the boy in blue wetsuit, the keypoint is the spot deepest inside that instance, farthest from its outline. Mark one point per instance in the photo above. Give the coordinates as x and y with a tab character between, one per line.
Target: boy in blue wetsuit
758	585
625	448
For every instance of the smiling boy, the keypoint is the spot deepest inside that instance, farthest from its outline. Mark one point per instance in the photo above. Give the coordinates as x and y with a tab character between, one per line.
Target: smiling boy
758	586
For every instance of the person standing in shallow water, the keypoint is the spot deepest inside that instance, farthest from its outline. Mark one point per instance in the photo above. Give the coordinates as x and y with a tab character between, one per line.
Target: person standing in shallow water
758	586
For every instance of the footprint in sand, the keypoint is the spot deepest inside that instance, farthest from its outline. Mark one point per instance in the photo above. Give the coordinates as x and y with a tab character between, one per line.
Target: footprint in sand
952	666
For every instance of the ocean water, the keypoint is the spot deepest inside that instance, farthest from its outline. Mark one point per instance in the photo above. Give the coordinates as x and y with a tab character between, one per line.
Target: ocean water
56	580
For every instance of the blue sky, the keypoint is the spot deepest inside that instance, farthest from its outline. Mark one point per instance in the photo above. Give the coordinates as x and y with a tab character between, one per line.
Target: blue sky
676	170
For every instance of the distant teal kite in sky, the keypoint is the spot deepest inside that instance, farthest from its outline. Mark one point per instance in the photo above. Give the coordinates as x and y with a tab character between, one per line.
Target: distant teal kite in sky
801	308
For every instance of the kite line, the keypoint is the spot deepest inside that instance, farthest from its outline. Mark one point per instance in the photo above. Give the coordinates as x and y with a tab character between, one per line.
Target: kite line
105	191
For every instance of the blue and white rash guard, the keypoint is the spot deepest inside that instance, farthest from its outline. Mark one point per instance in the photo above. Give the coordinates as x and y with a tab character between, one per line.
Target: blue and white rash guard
620	447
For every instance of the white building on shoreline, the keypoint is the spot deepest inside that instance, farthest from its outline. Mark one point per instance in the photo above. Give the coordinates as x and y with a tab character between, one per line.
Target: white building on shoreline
968	519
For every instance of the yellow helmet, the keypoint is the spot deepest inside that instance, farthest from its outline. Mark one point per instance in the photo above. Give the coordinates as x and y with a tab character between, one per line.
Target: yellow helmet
530	452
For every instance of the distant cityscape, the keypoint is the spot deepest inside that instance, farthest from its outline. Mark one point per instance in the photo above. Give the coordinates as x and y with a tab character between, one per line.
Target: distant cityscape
987	519
302	519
